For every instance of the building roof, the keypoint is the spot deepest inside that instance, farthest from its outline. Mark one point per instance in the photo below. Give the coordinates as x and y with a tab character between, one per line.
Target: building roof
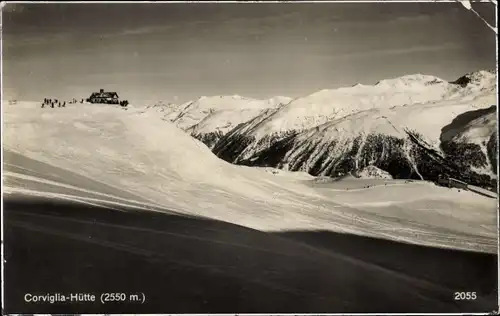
103	95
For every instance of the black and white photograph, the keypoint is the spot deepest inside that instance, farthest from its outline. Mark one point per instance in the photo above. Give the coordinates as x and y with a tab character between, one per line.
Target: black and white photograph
249	157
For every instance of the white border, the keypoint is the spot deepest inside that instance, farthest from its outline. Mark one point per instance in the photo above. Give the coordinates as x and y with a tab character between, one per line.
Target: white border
498	180
243	1
3	3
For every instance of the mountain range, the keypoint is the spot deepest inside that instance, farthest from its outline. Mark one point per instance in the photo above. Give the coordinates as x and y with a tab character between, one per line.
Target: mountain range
412	127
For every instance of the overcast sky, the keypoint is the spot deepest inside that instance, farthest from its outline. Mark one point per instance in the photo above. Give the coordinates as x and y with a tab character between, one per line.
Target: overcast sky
178	52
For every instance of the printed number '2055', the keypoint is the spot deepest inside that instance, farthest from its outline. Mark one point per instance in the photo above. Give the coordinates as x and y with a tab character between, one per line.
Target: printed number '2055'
465	296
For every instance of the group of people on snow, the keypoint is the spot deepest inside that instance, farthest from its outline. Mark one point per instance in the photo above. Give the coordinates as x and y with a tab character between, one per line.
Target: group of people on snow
55	102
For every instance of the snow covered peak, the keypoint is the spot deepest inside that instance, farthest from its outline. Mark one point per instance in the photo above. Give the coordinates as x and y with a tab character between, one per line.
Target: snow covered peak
357	85
482	78
222	102
415	80
162	107
225	120
215	99
191	113
277	100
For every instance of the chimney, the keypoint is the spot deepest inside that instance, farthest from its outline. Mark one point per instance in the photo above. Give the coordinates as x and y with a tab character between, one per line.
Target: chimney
101	91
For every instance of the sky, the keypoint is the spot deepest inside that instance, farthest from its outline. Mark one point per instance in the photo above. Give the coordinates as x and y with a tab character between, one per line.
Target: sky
175	52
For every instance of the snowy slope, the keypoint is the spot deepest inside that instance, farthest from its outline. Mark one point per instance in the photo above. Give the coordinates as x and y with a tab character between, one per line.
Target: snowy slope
210	118
394	122
372	172
168	111
223	120
325	105
134	157
478	130
193	112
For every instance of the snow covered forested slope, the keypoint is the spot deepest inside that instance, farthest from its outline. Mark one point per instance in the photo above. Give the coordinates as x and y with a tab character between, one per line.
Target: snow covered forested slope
107	156
400	125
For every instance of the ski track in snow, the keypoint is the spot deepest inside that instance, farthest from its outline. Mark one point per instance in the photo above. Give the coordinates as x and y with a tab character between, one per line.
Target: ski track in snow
58	186
153	159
